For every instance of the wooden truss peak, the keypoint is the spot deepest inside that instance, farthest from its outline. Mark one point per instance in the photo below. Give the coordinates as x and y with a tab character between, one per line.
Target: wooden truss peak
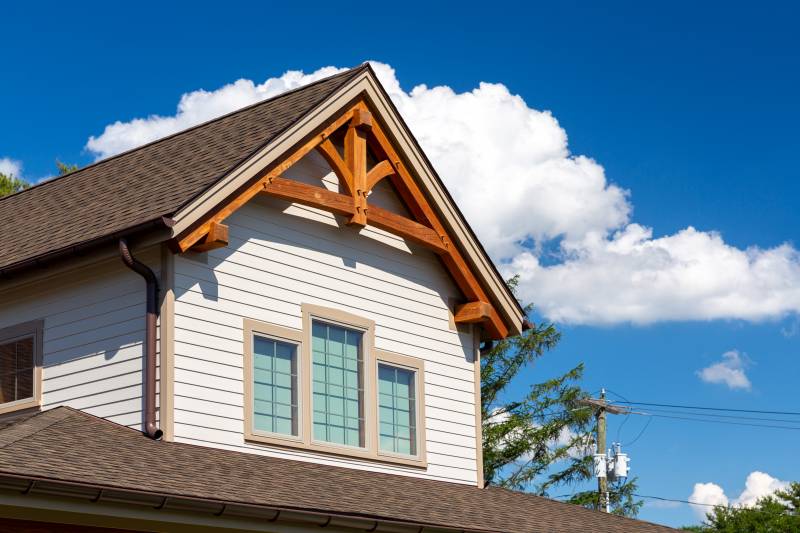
362	134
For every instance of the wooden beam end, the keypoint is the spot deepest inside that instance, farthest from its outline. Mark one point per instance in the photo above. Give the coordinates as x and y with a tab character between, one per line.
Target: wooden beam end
362	119
473	312
217	237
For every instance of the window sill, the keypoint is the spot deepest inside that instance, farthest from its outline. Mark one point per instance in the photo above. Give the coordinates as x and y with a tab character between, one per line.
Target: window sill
332	449
20	405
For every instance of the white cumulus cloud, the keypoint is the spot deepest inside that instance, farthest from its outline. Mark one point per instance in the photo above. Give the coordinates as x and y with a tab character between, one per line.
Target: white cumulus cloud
705	495
197	107
510	169
10	167
756	486
730	371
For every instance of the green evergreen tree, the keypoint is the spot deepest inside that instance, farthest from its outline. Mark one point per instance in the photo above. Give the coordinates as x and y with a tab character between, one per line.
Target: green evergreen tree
65	168
10	184
542	441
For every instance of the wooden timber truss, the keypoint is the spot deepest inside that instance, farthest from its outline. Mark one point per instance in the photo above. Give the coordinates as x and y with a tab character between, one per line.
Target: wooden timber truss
362	134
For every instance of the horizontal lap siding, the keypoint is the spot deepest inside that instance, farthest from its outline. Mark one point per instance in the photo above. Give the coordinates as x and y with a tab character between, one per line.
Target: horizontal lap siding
282	256
93	332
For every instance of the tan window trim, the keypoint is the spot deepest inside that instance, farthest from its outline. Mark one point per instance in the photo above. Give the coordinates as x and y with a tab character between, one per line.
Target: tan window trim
279	333
33	329
418	366
303	339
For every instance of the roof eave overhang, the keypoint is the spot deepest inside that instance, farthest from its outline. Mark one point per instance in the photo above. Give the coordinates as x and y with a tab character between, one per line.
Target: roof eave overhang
159	503
366	85
150	232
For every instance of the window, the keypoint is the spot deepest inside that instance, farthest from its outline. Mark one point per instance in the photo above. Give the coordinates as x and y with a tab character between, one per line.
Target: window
274	386
326	389
338	371
20	366
272	374
400	405
396	410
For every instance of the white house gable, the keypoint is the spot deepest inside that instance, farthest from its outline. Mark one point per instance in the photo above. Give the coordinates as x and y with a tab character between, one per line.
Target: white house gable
283	256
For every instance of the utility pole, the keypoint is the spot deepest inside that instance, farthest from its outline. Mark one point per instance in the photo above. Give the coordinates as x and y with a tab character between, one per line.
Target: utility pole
602	482
602	407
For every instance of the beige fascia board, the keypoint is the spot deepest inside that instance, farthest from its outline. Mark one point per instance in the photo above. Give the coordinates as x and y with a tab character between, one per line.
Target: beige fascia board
365	84
166	324
476	351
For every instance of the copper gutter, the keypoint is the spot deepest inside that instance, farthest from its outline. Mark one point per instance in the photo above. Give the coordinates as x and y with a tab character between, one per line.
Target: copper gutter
151	316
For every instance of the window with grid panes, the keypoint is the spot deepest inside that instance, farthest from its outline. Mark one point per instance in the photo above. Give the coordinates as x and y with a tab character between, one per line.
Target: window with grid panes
338	384
397	409
275	406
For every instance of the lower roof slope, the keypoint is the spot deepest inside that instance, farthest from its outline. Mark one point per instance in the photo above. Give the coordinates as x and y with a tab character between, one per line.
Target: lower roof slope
146	183
70	446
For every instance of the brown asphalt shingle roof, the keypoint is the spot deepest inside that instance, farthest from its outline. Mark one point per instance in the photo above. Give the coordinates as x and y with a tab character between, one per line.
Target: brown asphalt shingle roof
71	446
144	184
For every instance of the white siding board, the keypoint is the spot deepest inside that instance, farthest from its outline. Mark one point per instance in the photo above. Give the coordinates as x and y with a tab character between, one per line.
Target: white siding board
449	404
465	419
328	241
201	392
91	370
89	388
229	313
265	278
226	371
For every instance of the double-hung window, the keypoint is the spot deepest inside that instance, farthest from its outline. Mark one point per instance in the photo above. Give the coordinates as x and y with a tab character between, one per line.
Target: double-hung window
325	388
20	366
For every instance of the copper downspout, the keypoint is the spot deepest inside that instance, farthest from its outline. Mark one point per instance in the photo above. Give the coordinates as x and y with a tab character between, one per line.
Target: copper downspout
150	428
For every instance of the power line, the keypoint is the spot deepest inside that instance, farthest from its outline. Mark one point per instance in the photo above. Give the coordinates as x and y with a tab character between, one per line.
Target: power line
797	428
675	500
627	416
735	417
640	433
688	502
794	413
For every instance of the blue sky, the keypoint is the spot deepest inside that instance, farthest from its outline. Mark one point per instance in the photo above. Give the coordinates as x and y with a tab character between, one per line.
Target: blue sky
690	108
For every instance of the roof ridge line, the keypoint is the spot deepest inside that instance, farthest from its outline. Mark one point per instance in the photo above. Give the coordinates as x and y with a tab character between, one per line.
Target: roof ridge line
53	179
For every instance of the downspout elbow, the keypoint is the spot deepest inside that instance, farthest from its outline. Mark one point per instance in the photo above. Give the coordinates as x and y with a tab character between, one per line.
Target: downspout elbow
151	317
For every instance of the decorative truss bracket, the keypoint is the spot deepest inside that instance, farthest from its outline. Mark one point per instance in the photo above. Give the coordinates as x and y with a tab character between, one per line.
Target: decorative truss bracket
363	134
